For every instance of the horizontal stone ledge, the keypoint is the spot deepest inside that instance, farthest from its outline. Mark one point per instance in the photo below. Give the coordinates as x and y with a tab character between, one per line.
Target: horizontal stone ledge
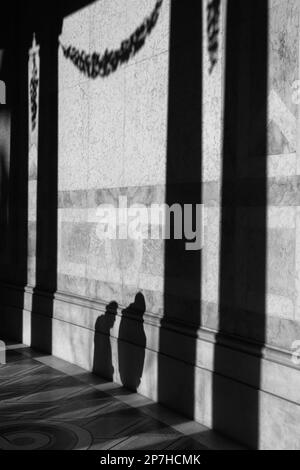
271	371
209	335
266	375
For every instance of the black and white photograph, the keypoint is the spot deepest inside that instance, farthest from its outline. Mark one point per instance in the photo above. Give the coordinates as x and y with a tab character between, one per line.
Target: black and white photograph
149	230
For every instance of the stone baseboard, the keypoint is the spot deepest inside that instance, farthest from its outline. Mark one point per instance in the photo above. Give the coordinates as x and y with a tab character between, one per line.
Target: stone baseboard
251	394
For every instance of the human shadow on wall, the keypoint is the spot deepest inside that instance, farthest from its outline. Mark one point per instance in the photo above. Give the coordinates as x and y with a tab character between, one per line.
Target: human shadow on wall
132	343
242	289
47	21
182	272
103	362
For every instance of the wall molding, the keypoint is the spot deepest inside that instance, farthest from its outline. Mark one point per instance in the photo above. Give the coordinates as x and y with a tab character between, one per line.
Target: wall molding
235	343
249	372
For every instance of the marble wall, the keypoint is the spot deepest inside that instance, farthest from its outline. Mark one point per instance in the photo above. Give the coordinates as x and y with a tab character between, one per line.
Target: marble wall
112	143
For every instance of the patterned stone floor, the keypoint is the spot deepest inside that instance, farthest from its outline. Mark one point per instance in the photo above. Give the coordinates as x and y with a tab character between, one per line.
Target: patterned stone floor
47	403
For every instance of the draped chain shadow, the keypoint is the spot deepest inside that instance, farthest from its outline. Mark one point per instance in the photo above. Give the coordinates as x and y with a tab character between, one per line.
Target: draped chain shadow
102	65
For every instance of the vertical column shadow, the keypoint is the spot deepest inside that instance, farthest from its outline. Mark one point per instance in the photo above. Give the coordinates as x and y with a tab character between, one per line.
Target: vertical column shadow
182	272
242	289
47	184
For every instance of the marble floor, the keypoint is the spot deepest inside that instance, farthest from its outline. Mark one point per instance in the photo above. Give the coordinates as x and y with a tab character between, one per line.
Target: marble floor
47	403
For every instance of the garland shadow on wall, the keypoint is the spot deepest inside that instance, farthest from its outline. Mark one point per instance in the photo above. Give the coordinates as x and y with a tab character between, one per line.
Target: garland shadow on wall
102	65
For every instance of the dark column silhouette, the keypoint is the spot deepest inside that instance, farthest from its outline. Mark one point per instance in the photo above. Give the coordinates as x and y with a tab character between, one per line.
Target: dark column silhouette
182	277
103	364
14	169
243	249
47	23
5	127
132	343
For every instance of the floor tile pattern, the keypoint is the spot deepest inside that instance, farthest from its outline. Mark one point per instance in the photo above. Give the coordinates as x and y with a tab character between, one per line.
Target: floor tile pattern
46	403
